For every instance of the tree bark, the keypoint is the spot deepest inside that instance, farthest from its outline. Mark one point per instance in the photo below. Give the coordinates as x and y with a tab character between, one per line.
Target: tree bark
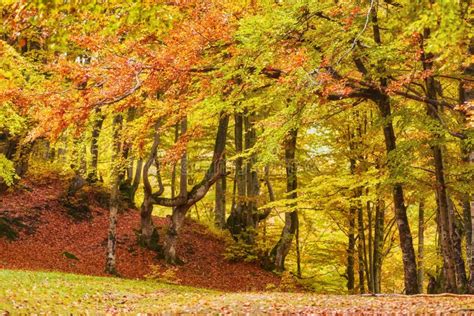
173	171
236	222
406	240
378	245
421	244
96	129
220	200
351	251
186	200
183	175
110	265
466	97
282	248
445	220
360	247
456	233
148	233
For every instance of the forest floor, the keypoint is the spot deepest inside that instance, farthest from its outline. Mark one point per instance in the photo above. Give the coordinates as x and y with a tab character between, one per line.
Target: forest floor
61	293
53	245
49	239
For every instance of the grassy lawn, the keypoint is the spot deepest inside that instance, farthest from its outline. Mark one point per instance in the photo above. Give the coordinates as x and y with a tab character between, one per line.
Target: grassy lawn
36	292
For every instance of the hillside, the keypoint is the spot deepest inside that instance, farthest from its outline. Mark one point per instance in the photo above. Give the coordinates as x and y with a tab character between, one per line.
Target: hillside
49	239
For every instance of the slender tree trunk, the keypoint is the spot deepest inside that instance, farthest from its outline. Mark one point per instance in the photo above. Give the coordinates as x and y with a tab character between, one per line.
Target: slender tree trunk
282	248
360	247
351	251
110	265
236	221
378	245
406	240
136	180
421	244
96	129
183	177
252	185
370	262
173	171
220	200
456	235
298	251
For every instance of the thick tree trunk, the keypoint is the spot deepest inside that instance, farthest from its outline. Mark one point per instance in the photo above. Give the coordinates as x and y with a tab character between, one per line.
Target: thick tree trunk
252	185
110	265
236	222
171	237
445	219
406	240
466	97
96	129
282	248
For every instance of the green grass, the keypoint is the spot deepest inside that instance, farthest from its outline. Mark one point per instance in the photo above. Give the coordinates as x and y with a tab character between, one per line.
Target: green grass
24	291
60	293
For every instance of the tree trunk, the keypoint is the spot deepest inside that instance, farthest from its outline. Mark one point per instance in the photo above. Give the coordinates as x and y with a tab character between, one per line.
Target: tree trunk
136	180
183	176
282	248
466	93
406	240
235	222
351	252
186	200
360	247
378	245
177	220
110	265
220	199
456	235
421	244
252	185
96	129
370	262
173	171
445	219
148	233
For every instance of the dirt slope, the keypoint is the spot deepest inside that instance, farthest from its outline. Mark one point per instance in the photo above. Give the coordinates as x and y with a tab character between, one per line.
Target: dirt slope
50	236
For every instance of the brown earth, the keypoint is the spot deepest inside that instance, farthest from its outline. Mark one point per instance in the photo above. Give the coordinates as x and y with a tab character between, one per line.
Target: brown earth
50	236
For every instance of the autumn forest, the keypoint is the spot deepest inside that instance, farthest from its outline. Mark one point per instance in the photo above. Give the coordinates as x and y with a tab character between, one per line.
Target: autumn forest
317	147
